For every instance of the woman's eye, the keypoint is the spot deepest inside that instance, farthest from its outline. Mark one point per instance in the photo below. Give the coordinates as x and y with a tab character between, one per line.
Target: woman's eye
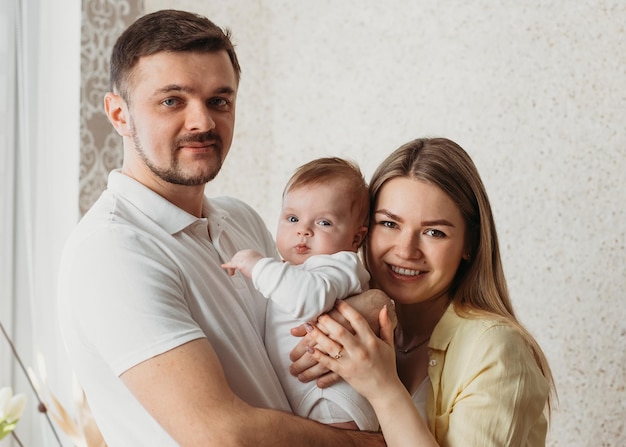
435	233
387	224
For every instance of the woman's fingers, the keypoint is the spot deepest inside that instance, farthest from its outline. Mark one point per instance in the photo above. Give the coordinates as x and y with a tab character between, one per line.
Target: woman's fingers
386	326
339	333
325	344
357	321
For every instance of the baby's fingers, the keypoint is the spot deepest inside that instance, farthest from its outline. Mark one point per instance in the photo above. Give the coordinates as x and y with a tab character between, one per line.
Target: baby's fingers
229	268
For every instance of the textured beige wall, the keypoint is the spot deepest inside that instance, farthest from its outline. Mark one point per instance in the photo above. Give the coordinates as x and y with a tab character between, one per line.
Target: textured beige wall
535	91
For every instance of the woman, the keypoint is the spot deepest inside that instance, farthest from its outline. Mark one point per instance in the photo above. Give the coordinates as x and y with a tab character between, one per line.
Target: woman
459	356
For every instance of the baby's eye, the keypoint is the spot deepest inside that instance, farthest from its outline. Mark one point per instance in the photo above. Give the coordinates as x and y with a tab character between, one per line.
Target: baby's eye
292	219
324	223
435	233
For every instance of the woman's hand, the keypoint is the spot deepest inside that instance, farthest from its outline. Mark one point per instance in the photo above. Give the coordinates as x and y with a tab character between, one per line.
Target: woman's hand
305	367
368	363
365	361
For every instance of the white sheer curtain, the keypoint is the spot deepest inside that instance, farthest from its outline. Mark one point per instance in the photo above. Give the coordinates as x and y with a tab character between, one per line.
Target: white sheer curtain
7	175
39	134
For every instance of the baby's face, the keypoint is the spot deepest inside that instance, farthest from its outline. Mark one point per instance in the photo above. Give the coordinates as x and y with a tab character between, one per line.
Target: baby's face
317	219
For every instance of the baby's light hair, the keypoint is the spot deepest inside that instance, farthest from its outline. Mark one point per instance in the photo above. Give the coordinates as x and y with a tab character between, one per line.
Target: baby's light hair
334	170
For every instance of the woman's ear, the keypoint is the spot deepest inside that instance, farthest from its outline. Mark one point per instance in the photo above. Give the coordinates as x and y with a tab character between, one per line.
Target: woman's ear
117	112
359	236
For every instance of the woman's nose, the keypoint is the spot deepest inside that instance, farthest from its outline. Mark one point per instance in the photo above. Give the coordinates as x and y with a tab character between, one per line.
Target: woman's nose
408	246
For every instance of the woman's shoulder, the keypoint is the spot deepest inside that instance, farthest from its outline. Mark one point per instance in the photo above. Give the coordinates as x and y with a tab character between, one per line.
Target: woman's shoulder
468	326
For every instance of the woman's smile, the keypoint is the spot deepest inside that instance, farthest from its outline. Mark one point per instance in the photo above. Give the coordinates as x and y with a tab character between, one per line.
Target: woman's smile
405	271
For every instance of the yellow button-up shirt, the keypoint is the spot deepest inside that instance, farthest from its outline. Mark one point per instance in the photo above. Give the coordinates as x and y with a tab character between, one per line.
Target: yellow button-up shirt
487	389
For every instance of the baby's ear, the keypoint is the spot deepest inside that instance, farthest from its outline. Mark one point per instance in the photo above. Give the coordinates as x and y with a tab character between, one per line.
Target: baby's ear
359	237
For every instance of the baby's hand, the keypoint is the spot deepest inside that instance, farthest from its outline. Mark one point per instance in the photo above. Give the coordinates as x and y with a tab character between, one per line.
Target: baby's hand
244	261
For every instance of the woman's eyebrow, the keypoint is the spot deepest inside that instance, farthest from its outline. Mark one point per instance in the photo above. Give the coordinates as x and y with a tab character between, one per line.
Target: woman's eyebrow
424	223
389	214
437	223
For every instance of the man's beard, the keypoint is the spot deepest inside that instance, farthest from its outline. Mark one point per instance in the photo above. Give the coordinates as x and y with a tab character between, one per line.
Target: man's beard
174	174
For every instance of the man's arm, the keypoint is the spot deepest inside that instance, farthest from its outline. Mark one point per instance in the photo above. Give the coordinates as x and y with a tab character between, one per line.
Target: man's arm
186	391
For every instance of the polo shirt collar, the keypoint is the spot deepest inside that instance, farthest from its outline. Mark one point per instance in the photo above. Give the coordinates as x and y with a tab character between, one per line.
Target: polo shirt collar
216	216
170	217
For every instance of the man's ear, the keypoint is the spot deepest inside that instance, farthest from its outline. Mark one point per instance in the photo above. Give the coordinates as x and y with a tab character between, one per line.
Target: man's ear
117	112
358	237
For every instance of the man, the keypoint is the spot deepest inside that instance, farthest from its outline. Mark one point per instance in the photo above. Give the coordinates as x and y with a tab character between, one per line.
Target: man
167	346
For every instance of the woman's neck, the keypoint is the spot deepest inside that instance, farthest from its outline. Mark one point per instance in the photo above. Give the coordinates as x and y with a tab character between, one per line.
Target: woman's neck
416	322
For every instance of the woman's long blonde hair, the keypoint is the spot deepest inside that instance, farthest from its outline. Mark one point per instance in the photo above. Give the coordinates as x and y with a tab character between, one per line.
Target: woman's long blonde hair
479	286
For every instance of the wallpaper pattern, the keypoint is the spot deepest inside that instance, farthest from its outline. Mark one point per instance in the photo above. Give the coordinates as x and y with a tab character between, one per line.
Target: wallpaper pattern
101	146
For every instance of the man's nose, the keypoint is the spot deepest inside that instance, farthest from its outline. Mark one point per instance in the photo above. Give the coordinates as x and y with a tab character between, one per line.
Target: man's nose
199	118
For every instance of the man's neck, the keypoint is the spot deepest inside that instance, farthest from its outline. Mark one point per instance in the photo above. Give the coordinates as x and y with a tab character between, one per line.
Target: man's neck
187	198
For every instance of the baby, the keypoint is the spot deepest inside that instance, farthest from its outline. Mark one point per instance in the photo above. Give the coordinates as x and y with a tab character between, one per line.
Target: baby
322	224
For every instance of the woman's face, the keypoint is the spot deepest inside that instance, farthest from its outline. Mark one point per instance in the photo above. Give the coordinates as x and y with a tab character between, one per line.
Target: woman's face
416	241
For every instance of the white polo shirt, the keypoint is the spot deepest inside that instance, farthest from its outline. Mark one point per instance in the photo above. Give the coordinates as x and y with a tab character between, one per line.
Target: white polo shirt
139	276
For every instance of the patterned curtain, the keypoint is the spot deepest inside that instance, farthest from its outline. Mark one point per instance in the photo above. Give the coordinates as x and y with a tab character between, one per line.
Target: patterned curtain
101	146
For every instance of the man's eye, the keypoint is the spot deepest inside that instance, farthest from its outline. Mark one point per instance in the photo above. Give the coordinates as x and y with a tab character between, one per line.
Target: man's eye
435	233
219	102
170	102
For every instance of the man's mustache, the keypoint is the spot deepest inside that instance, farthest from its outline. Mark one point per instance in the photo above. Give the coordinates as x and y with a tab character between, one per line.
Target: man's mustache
204	137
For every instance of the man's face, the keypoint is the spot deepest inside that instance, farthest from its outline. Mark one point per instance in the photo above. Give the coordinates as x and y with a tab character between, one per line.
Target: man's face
180	117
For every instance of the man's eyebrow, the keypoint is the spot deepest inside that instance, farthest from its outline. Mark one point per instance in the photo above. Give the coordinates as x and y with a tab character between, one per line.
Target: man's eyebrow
173	88
226	90
181	88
